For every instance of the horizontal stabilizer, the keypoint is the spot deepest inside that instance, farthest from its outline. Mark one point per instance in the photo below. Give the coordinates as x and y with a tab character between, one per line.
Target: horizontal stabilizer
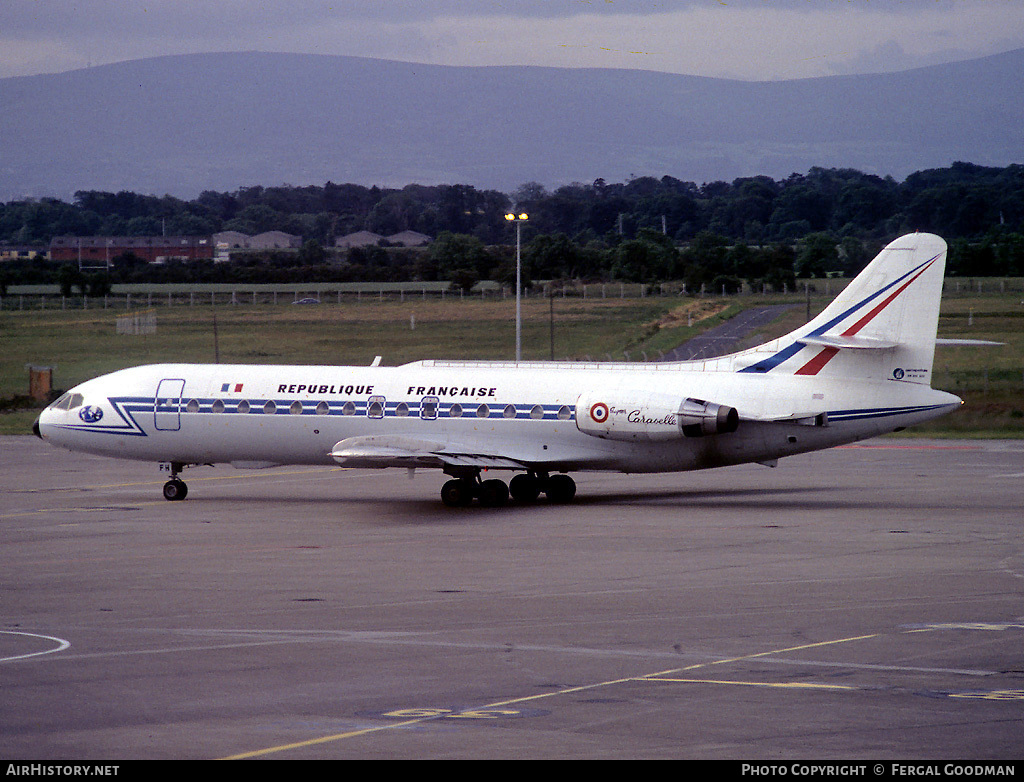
849	343
967	342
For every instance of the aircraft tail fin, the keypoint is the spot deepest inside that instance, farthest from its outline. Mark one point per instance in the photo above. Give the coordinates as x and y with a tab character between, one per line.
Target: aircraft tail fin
881	327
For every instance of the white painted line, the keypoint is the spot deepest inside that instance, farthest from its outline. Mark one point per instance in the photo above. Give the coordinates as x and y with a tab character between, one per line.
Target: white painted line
61	646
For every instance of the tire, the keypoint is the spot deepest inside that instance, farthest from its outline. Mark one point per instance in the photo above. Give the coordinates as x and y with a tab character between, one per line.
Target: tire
175	490
524	488
560	489
457	493
493	494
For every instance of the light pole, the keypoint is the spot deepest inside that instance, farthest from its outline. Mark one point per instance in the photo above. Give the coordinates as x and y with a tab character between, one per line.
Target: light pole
518	219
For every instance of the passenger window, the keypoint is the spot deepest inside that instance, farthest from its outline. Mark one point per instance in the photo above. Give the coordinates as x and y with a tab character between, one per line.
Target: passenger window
536	412
218	406
323	408
455	411
509	411
402	410
270	408
483	411
192	406
564	413
295	408
243	407
348	408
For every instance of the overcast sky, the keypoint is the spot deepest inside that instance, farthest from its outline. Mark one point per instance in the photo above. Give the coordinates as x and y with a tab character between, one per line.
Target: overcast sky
744	39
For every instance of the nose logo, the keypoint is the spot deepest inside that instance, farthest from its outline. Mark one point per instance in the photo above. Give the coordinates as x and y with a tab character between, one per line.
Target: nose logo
90	414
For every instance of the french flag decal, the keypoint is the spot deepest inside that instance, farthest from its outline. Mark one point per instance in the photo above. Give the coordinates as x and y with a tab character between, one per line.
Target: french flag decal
231	388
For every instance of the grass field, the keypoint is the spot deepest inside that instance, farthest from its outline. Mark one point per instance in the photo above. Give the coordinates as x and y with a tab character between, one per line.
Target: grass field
82	344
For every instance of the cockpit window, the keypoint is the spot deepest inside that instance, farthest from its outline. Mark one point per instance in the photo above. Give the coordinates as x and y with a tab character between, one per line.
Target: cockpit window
68	402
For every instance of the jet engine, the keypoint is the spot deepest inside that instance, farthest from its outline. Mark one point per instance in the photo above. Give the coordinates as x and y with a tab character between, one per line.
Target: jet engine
625	415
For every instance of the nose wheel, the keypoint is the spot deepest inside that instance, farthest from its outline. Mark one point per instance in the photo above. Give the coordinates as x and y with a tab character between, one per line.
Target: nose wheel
175	489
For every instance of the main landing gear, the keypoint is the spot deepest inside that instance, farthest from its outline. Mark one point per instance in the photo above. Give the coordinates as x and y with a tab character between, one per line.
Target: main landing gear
467	486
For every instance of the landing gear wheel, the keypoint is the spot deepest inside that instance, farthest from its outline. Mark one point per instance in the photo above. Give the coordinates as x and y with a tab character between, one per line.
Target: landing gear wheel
493	494
560	488
457	493
175	489
524	488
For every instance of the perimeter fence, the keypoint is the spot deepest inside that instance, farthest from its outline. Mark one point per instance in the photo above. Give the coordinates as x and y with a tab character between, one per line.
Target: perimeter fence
45	297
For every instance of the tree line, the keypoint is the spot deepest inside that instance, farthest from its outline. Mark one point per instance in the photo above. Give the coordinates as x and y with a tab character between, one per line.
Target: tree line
753	229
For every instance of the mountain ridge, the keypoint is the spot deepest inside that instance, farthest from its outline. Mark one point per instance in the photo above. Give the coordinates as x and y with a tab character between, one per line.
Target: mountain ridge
181	124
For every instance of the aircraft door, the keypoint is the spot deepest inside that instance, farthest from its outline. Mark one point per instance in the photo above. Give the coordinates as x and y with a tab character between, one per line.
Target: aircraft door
167	405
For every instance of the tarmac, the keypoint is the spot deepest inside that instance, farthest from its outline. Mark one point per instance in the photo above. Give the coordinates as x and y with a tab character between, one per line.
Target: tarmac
862	603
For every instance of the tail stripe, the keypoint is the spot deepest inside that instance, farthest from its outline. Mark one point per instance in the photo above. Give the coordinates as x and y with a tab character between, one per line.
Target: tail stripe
815	365
870	316
878	412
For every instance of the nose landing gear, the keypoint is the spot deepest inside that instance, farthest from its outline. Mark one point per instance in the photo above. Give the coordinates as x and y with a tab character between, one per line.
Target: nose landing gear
175	489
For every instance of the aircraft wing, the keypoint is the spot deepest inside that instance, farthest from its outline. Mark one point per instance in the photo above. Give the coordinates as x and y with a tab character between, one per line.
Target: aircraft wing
375	451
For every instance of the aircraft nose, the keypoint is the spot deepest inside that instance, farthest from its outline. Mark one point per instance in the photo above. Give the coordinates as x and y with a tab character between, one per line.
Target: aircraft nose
35	427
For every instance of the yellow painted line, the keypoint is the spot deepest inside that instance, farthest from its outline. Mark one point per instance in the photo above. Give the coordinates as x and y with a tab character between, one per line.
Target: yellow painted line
541	696
326	739
763	654
993	695
261	474
779	685
242	477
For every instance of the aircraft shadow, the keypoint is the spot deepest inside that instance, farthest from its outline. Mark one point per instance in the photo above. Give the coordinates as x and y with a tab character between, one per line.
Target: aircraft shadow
421	510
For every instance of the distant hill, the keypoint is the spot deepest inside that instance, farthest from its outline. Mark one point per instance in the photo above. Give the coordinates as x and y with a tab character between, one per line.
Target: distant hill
185	124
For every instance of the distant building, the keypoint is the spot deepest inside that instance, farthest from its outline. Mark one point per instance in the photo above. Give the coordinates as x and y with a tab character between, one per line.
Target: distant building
409	239
21	252
93	251
228	241
231	240
359	239
275	240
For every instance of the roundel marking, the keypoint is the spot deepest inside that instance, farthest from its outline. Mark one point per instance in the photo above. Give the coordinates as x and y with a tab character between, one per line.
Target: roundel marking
599	412
898	373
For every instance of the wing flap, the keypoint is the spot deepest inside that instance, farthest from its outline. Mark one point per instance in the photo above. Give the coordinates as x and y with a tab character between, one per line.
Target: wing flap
380	451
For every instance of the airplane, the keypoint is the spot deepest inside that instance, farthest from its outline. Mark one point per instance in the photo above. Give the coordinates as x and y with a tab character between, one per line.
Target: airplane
861	368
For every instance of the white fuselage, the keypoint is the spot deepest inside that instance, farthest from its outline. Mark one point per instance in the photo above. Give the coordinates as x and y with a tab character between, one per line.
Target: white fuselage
529	413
